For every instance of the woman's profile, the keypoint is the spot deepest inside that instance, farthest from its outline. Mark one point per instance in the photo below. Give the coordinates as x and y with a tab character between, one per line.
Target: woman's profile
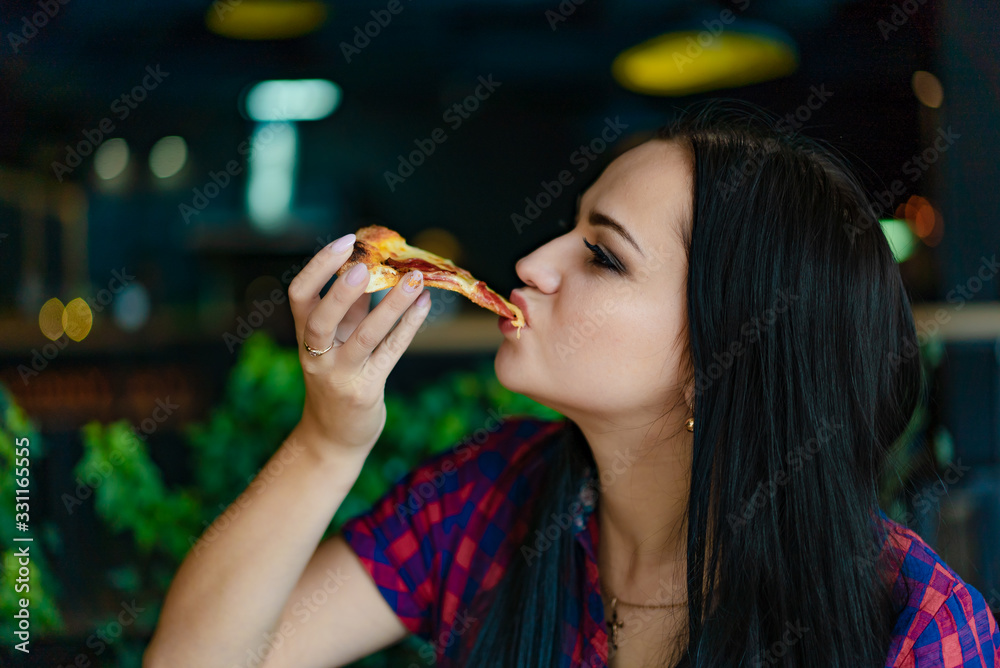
726	333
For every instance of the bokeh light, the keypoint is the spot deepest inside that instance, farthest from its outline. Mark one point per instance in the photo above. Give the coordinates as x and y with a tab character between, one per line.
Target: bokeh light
265	19
927	88
131	307
111	158
77	319
167	157
50	318
292	100
685	62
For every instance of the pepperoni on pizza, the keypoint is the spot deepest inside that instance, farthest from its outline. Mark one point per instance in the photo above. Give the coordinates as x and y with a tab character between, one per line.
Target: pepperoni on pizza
389	257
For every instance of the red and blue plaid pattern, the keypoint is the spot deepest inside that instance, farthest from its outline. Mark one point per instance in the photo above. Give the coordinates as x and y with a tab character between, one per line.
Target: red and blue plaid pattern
448	528
946	622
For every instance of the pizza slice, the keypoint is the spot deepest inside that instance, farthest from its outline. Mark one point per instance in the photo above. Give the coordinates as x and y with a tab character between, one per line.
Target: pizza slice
389	257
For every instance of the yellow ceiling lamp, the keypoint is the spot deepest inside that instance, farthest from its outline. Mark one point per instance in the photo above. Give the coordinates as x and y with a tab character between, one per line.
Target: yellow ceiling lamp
694	61
264	19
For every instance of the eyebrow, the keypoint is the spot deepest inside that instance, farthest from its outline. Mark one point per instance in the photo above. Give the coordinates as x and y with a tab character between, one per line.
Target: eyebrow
598	219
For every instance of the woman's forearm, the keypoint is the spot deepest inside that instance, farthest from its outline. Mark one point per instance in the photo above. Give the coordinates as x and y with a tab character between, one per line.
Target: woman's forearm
232	586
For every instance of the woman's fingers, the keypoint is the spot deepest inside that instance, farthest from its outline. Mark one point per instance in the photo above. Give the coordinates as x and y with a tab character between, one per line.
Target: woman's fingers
374	328
385	357
323	321
342	318
355	314
303	291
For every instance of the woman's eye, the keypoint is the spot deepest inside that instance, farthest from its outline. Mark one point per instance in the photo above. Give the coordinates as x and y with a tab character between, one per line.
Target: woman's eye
599	258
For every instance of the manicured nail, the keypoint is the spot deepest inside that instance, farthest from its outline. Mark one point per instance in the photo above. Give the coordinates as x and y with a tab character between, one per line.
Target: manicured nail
424	297
413	280
357	275
343	243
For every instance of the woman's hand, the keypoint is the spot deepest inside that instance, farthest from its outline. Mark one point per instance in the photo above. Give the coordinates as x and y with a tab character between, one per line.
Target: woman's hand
345	386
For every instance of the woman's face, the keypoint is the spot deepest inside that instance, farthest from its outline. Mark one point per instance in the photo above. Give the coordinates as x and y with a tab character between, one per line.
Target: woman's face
604	343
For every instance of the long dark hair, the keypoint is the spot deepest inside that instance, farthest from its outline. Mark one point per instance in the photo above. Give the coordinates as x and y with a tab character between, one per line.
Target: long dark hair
786	258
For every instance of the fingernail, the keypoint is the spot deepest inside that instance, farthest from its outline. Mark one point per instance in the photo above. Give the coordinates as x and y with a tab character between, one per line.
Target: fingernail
343	243
413	280
357	275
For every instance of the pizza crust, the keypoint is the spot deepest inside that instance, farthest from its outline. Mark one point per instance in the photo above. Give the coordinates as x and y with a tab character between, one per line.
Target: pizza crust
388	258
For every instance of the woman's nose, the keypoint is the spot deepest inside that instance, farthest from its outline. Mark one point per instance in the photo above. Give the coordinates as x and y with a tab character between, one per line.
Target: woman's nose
537	271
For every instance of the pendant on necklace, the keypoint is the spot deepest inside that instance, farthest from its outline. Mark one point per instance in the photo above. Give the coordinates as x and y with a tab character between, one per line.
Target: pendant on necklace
614	624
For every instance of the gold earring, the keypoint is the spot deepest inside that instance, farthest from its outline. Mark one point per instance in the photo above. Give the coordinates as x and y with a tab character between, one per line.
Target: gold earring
689	424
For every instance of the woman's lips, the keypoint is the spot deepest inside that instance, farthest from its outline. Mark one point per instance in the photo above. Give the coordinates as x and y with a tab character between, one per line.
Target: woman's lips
518	300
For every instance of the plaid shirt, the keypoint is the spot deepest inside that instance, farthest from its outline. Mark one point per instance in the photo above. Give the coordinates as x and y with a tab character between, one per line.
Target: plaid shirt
435	537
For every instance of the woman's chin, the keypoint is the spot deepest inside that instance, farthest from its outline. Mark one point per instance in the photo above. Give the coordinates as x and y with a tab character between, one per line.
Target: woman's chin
505	368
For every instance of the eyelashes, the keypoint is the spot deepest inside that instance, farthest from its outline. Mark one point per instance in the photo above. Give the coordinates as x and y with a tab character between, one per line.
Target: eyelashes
600	259
597	257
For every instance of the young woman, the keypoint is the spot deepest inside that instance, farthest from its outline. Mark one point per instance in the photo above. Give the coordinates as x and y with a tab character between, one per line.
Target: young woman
727	335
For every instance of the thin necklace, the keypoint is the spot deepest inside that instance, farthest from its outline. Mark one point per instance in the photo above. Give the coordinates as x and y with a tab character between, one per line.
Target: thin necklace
615	625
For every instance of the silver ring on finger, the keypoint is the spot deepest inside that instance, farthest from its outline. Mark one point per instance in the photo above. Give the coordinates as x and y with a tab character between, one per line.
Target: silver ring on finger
317	353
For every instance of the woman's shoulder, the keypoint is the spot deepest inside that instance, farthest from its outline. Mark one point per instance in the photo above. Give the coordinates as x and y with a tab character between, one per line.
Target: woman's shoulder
502	443
456	484
438	526
944	620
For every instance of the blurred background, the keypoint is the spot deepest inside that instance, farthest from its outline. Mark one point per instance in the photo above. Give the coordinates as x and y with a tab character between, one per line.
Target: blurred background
167	167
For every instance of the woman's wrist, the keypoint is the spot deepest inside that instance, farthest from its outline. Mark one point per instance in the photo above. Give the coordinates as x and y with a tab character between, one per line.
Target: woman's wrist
323	449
